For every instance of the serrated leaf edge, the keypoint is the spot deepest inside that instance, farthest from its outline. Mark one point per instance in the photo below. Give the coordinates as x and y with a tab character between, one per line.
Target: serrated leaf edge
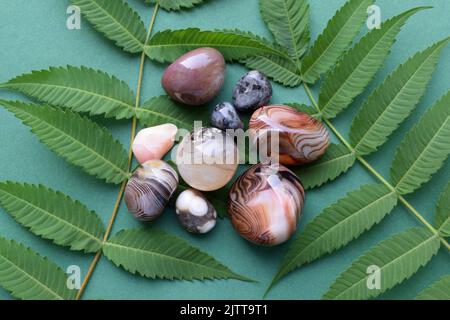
48	213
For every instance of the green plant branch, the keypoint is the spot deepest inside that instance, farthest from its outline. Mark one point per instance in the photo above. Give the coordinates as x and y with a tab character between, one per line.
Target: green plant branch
130	160
372	170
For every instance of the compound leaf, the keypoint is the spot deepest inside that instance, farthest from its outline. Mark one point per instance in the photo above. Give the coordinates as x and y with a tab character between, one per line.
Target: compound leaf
28	276
288	20
80	89
117	21
443	213
306	109
335	39
168	45
281	70
155	254
336	161
424	150
160	110
338	225
440	290
53	215
176	5
397	259
393	101
359	65
77	139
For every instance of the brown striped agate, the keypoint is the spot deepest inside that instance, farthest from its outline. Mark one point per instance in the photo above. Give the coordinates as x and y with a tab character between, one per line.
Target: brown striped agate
149	190
302	139
265	204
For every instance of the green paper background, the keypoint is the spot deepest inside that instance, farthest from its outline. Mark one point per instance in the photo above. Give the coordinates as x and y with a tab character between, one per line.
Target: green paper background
33	35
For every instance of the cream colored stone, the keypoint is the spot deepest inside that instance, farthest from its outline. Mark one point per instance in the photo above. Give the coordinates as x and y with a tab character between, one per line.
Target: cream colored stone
153	143
207	159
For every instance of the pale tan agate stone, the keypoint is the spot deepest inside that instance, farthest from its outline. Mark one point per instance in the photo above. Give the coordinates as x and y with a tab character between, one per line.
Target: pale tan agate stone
207	159
153	143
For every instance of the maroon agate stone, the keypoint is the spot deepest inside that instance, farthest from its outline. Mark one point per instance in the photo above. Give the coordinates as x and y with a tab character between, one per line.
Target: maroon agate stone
196	77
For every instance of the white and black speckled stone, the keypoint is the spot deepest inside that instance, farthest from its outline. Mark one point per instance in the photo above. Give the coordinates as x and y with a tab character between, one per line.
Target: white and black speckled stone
252	91
226	117
195	212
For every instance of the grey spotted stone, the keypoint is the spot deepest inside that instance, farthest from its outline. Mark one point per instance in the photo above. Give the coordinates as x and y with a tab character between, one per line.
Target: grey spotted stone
225	117
252	91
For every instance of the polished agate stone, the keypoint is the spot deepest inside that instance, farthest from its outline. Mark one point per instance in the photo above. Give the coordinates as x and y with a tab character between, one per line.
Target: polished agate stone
149	190
265	204
196	77
252	91
225	117
302	139
207	159
153	143
195	212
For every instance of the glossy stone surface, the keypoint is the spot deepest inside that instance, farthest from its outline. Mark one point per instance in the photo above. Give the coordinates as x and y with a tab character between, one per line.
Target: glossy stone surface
196	77
302	139
195	212
252	91
149	190
225	117
153	143
207	159
265	204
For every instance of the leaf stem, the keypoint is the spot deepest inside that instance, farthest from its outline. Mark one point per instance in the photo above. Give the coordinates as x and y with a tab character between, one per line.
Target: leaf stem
88	275
105	238
130	160
423	220
372	170
376	174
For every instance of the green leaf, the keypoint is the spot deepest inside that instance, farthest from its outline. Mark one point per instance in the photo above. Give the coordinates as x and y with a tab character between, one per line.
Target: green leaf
53	215
306	109
160	110
424	150
281	70
168	45
79	89
338	225
440	290
288	20
176	5
77	139
336	161
392	102
28	276
335	39
398	258
117	21
359	65
155	254
443	213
